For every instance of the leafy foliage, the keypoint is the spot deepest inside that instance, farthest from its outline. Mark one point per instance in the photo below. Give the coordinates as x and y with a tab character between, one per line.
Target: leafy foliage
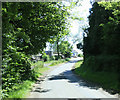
108	80
52	58
26	27
80	55
102	46
45	57
80	46
65	48
57	40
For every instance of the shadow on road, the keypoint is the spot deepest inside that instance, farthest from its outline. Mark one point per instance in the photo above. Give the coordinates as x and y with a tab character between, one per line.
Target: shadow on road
40	90
68	75
59	77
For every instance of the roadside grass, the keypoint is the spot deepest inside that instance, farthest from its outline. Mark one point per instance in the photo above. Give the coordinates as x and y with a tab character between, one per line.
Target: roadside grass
37	63
39	69
56	62
53	62
77	65
49	61
21	90
108	80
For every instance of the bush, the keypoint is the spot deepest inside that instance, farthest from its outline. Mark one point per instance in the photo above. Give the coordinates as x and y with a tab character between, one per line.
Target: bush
105	79
56	57
60	57
52	58
80	55
45	57
67	59
103	63
16	68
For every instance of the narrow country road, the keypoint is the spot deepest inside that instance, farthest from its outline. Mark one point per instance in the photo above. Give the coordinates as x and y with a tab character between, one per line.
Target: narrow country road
62	83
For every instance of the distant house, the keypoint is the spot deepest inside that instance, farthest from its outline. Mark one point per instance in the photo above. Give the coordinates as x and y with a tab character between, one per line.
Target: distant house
50	53
55	54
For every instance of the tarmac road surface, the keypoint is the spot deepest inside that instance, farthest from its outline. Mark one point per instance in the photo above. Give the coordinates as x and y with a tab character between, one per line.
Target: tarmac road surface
62	83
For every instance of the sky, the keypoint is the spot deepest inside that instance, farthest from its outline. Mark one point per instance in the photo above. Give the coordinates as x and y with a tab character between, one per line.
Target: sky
76	29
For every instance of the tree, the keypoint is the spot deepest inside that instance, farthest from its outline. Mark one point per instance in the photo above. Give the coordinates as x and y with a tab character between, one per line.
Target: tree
65	48
40	22
26	28
102	46
80	46
65	32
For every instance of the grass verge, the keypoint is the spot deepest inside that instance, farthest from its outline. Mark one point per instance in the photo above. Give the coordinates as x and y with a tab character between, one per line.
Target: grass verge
56	62
21	90
108	80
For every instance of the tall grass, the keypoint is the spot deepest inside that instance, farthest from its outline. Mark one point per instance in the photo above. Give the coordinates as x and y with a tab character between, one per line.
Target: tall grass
21	90
108	80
